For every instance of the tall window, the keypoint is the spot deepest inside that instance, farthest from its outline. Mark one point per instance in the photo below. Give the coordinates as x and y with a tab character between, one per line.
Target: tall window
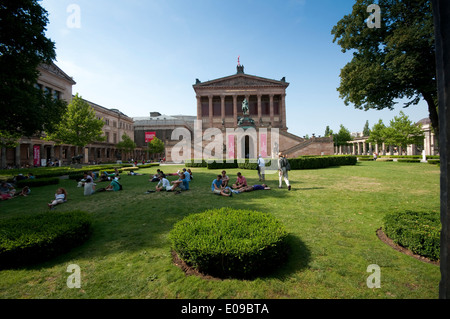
217	107
265	105
229	108
276	105
253	105
205	106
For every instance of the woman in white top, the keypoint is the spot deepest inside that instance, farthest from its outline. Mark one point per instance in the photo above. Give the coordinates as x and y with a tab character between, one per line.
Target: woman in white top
165	184
60	197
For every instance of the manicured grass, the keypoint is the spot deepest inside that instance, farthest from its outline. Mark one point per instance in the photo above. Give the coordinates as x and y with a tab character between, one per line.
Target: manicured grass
332	216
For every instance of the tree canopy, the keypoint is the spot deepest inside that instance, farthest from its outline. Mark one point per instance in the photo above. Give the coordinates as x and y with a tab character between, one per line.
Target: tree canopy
127	145
401	132
79	126
395	61
342	137
25	108
156	146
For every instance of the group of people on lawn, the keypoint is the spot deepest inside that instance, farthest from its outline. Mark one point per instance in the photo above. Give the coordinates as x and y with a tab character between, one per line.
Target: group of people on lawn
221	185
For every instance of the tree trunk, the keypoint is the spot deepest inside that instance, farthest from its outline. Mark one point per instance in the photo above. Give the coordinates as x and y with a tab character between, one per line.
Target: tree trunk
432	109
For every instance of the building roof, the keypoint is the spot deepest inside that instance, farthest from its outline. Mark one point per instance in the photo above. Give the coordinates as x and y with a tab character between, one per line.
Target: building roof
424	121
54	69
241	80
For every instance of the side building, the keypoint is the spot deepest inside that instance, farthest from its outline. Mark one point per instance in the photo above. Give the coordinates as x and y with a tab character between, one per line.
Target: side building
34	151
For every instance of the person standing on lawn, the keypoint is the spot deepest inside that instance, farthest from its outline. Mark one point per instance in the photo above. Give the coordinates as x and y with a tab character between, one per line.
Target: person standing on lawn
283	168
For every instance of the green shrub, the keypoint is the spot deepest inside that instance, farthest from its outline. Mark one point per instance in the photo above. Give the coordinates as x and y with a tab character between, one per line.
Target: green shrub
230	243
408	160
37	182
192	163
37	238
417	231
316	162
434	161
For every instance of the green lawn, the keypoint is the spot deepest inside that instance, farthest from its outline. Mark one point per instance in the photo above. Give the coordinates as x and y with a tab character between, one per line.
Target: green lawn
332	214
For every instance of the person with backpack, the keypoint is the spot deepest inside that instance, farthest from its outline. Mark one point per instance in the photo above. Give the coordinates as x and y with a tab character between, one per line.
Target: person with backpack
283	168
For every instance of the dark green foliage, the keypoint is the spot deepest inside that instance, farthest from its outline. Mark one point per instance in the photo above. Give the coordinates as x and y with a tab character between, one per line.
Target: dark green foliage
434	161
37	238
192	163
26	109
417	231
231	243
408	160
316	162
37	182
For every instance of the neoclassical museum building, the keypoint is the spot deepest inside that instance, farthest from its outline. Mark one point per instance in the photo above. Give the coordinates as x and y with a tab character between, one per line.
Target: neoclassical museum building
219	106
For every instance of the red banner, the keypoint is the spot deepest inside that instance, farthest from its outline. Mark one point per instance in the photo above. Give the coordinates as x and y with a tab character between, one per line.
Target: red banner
149	136
37	155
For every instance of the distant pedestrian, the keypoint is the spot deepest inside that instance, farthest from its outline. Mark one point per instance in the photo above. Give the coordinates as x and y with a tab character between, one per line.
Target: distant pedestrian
261	168
283	168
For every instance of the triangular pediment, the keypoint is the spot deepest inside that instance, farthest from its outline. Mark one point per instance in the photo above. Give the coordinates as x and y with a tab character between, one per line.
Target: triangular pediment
241	80
55	70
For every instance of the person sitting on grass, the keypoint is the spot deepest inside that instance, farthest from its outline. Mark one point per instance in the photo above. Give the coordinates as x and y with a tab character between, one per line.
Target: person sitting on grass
155	178
60	197
254	188
187	175
181	182
190	173
114	185
7	191
24	192
225	179
89	186
163	185
240	182
217	188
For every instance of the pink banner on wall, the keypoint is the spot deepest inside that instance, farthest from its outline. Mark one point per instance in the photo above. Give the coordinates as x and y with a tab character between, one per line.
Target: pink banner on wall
231	153
263	145
149	136
37	155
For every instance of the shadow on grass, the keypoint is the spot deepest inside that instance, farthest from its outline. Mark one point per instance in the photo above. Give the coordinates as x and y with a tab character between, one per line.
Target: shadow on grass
298	259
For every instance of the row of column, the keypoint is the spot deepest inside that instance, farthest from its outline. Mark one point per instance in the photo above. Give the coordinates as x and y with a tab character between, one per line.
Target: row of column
235	109
60	154
362	148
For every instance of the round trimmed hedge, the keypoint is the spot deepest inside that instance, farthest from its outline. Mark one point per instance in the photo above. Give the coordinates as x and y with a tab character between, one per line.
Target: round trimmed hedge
417	231
37	238
231	243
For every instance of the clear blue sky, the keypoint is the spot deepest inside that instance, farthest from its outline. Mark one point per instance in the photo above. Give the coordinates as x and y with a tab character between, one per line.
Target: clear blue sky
144	55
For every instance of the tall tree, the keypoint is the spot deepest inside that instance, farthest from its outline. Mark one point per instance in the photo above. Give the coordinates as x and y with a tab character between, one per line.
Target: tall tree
366	130
25	109
328	132
393	62
378	133
127	145
156	146
79	126
342	137
403	132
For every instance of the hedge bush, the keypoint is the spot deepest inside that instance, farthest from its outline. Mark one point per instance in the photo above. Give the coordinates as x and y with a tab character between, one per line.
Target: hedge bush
37	238
316	162
231	243
417	231
192	163
303	162
434	161
408	160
